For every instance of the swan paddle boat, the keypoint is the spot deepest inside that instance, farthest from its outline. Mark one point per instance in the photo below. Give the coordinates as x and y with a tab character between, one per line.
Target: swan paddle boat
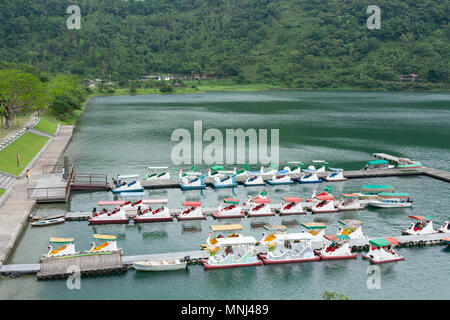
118	215
192	184
160	265
280	179
423	225
289	248
323	203
226	182
218	232
391	200
371	191
445	227
316	229
229	209
382	250
293	206
191	172
378	164
107	244
232	252
336	247
147	214
254	179
349	202
193	211
323	167
352	228
215	174
65	247
296	169
120	186
155	176
269	171
309	177
335	175
260	207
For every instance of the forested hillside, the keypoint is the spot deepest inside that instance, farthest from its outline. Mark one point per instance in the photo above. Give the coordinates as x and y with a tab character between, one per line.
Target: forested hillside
295	42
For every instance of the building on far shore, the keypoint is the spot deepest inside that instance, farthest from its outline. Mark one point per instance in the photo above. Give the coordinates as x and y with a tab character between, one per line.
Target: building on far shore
409	77
156	77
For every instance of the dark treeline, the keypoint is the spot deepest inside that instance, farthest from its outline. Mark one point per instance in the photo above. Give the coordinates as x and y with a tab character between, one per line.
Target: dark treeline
294	42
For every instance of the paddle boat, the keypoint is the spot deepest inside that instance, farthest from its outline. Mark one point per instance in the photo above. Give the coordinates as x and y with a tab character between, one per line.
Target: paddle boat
65	247
47	222
218	232
269	171
406	164
120	186
191	172
108	244
249	202
391	200
160	265
193	211
323	203
118	215
229	209
293	206
232	252
192	184
323	168
280	179
157	176
371	191
297	168
316	229
424	225
213	173
349	202
288	248
382	250
254	180
378	164
352	228
260	207
226	182
335	247
147	214
242	173
335	175
445	227
277	229
309	177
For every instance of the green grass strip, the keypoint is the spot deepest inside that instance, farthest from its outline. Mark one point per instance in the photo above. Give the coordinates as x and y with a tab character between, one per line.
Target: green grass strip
2	191
27	146
46	126
84	254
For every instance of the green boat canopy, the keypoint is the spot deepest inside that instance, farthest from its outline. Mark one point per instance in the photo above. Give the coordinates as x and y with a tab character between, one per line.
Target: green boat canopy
216	168
376	162
376	187
383	242
394	194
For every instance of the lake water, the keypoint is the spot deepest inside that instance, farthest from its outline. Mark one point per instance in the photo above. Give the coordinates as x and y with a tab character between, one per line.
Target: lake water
127	134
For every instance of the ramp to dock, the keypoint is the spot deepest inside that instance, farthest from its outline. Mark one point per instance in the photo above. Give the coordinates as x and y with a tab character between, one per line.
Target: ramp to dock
87	264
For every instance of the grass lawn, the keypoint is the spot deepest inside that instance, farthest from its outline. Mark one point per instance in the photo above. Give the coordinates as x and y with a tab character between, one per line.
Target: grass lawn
27	146
46	126
2	191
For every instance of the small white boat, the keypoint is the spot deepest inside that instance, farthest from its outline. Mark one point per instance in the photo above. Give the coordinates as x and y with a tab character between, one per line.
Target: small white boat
309	177
353	229
254	180
42	223
160	265
260	207
147	214
323	203
155	176
293	206
120	185
391	200
107	244
229	209
192	184
280	179
445	227
424	225
336	247
224	182
65	247
349	202
193	211
337	174
382	250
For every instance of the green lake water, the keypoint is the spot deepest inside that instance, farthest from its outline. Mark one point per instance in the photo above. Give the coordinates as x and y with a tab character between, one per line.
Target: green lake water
125	134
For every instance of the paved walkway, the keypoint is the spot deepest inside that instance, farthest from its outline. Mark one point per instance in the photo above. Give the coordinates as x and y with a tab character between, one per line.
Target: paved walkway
15	211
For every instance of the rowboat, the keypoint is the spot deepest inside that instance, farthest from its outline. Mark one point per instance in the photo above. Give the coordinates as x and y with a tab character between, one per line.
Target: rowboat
335	247
293	206
352	228
229	209
232	252
155	176
323	203
423	225
288	248
120	186
378	164
349	202
280	179
316	229
193	211
48	222
65	247
382	250
160	265
107	244
260	207
147	214
336	175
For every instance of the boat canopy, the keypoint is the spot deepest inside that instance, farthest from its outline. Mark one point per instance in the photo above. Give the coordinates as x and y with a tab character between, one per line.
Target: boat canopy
217	168
191	203
294	236
319	161
350	195
421	218
292	199
158	168
376	187
226	227
275	228
130	176
333	237
155	201
324	196
383	242
375	162
236	241
394	195
104	237
348	222
231	200
314	225
336	169
111	203
261	200
61	240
